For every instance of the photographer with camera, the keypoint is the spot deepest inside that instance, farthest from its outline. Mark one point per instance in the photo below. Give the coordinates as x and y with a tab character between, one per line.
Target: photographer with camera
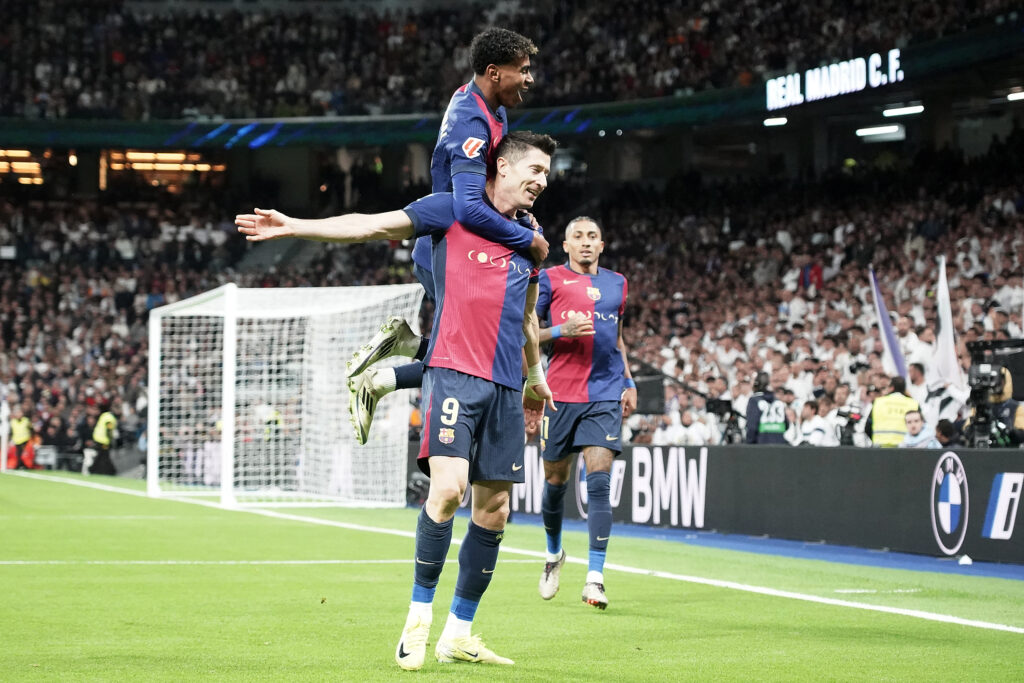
997	420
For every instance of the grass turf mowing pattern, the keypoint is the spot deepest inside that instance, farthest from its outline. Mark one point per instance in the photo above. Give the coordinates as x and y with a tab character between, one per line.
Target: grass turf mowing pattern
341	621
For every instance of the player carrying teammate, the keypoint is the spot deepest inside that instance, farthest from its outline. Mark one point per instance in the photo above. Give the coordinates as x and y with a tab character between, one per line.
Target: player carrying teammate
473	125
473	417
589	377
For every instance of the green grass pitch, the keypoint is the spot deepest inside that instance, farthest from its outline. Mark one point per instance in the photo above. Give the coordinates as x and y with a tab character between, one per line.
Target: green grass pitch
100	586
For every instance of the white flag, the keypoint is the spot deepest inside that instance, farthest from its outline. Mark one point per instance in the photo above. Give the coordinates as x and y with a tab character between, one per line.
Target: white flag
946	366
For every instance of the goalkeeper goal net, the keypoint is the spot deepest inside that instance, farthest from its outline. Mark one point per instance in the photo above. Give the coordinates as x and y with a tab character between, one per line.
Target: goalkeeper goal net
248	399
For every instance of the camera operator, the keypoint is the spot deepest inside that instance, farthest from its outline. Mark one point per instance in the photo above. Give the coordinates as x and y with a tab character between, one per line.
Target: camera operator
1004	414
887	422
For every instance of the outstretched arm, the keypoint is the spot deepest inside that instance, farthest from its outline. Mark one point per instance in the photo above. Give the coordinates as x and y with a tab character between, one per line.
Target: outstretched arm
268	224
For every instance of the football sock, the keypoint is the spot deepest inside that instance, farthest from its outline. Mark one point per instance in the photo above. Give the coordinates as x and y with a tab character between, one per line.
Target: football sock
599	517
456	627
432	542
408	376
477	559
552	509
383	381
421	352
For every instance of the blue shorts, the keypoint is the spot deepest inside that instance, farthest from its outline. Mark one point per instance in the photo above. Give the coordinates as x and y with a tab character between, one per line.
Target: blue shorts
476	419
576	425
426	279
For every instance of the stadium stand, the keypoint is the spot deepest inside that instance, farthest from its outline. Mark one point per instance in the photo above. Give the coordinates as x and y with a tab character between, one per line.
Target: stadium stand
61	60
727	288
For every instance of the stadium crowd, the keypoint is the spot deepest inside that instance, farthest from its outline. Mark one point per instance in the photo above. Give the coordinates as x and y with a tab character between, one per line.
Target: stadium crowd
106	59
778	286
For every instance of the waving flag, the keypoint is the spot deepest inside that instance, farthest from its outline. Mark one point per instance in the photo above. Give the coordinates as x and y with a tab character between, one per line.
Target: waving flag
946	365
892	359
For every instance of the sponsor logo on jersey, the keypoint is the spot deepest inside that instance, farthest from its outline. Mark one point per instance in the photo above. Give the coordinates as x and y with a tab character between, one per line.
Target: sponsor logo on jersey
569	282
949	503
483	258
591	315
472	147
594	293
446	435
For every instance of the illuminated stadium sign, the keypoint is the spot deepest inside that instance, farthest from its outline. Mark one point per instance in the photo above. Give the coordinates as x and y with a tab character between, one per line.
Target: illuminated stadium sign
841	78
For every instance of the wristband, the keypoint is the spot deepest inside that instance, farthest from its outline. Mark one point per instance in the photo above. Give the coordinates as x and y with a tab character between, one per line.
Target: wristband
556	331
630	384
535	375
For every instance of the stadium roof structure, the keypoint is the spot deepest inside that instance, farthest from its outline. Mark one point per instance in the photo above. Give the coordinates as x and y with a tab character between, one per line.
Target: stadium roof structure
979	59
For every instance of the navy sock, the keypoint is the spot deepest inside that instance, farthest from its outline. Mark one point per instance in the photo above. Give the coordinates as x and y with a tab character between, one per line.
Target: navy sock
432	542
421	352
409	376
599	517
552	510
477	559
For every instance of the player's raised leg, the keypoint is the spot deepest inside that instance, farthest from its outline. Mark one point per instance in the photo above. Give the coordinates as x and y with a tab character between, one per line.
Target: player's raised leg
394	338
599	521
448	480
478	559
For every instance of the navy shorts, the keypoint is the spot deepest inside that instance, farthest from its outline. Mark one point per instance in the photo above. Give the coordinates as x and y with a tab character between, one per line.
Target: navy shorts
426	279
476	419
576	425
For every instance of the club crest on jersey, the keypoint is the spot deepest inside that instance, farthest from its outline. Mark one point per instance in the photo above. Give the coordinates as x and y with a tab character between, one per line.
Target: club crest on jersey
446	435
472	147
594	293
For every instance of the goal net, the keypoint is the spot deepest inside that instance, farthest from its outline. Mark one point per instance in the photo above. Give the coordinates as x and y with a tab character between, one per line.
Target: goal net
248	398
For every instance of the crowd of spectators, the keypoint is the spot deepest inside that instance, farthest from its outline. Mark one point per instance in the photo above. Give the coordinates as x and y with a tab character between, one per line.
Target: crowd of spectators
106	59
726	281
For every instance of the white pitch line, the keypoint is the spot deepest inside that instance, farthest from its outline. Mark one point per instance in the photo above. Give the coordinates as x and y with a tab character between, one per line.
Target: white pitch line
715	583
228	563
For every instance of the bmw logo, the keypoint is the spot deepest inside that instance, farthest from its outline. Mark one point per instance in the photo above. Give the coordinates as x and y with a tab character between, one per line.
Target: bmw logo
949	503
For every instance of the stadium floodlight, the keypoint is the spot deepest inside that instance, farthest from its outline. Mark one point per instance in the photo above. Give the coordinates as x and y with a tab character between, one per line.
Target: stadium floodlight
903	111
877	130
1015	96
776	121
248	398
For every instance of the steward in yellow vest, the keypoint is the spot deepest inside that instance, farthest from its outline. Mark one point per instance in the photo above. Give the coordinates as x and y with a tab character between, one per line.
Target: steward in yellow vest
887	423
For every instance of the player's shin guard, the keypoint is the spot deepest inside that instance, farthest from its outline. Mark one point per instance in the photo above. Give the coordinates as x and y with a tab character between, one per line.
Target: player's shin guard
432	543
599	517
477	559
552	510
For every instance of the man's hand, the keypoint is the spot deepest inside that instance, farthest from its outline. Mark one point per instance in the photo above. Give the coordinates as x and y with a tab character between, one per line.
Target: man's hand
578	325
265	224
628	402
539	248
535	397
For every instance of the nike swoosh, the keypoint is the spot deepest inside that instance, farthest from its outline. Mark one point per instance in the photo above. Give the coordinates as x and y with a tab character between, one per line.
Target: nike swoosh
569	282
488	571
470	654
419	561
402	654
605	538
611	438
516	468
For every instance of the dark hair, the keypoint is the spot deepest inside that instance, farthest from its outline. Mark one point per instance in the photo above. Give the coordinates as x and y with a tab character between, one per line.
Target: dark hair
580	219
920	414
919	366
945	428
812	404
898	384
498	46
517	143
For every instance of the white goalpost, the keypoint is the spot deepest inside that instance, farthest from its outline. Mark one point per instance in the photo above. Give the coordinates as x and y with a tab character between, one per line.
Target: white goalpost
248	399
